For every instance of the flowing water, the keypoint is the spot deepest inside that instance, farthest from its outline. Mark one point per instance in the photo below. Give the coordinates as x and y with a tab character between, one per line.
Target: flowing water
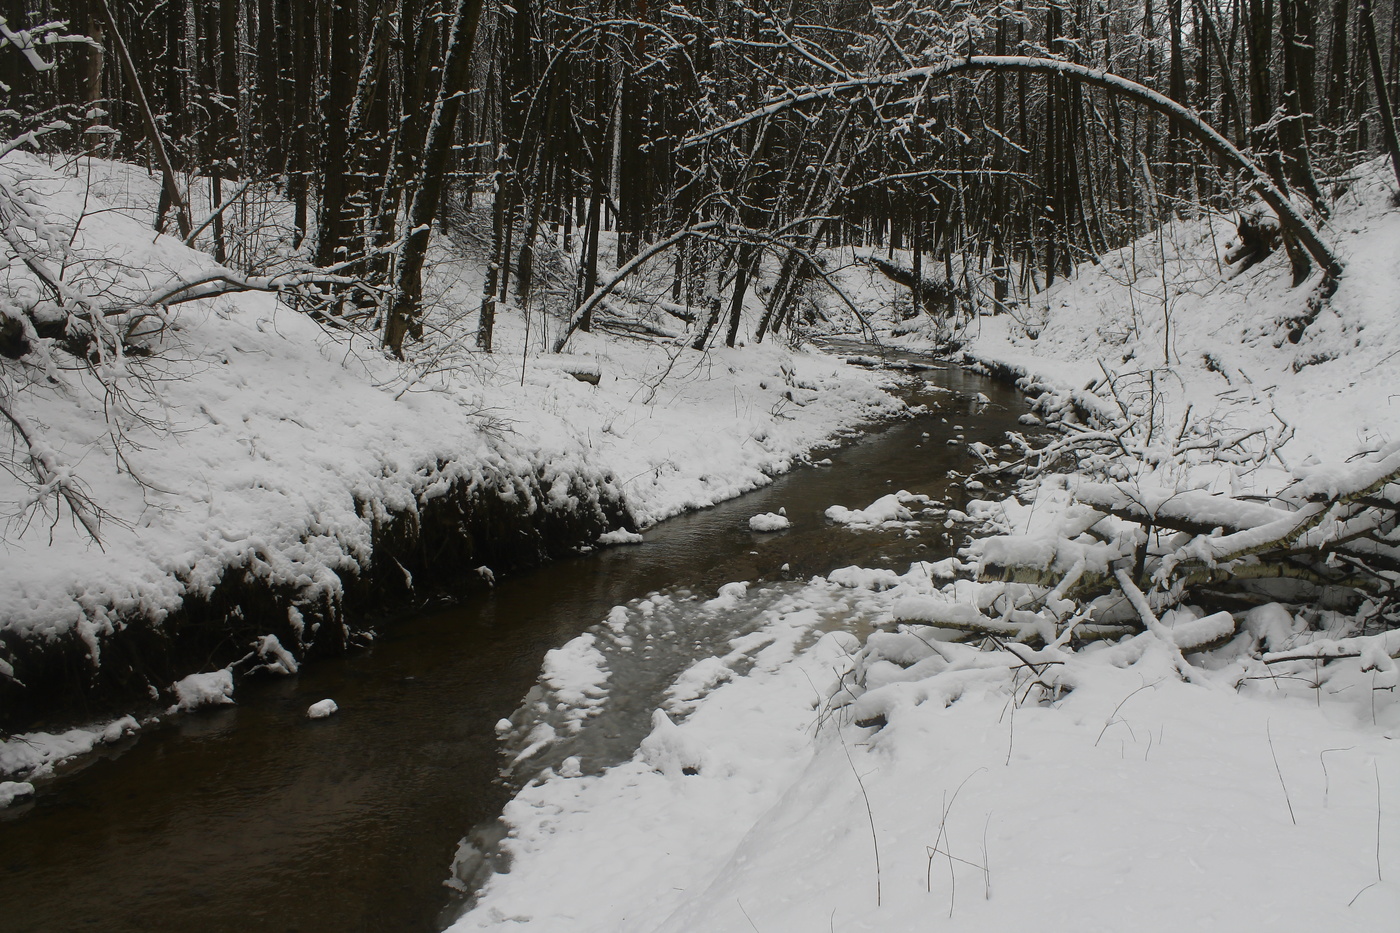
253	817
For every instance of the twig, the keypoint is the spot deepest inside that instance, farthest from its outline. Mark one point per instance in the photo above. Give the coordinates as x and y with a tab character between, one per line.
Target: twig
986	860
1011	737
1268	731
869	813
1377	769
1113	716
936	850
189	240
1327	778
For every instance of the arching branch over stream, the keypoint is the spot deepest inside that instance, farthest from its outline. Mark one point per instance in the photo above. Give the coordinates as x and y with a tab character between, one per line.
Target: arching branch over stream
1292	221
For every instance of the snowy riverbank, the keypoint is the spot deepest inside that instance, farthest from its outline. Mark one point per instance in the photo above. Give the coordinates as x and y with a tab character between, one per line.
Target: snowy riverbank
910	781
1135	796
257	445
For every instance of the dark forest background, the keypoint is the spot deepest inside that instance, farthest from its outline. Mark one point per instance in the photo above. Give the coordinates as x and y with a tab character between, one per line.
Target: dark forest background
550	123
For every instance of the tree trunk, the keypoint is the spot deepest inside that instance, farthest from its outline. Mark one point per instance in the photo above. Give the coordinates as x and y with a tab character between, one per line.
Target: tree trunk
408	285
170	189
590	256
1261	106
1298	61
340	31
748	255
1368	28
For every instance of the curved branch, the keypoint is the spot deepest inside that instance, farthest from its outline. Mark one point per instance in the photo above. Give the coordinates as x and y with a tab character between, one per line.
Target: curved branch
604	290
1290	217
733	231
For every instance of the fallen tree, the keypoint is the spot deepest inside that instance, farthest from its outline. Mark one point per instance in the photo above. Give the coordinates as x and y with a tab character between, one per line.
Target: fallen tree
1111	550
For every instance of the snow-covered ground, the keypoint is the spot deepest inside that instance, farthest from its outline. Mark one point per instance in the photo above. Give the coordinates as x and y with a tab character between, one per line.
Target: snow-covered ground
806	779
909	782
1218	341
1133	800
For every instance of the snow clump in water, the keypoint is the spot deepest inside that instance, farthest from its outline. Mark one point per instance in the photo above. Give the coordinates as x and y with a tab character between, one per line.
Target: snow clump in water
883	511
769	521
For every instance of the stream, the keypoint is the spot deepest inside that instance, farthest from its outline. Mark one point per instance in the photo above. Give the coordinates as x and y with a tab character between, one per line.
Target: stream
252	817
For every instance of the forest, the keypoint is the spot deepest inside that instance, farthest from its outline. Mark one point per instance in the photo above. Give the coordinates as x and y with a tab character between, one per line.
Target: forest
1001	143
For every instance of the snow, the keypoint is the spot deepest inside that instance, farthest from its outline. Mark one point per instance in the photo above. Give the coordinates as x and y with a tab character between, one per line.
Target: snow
37	754
10	791
730	594
825	781
214	688
1166	303
769	521
619	536
576	674
670	751
277	660
884	510
322	709
1210	772
863	578
1104	803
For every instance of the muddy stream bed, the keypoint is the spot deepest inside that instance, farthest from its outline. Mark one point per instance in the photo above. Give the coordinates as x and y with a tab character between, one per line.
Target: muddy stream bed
252	817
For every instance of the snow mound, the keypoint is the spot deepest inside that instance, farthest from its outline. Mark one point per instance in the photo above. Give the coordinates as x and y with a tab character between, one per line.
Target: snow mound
883	510
864	578
214	688
769	521
669	750
10	791
577	673
620	536
730	595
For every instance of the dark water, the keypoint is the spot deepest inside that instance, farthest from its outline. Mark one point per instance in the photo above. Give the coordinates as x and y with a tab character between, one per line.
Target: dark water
254	818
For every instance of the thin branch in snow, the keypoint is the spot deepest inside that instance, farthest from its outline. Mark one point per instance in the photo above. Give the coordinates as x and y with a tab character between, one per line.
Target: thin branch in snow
1113	716
942	845
746	915
1327	778
1269	732
869	814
